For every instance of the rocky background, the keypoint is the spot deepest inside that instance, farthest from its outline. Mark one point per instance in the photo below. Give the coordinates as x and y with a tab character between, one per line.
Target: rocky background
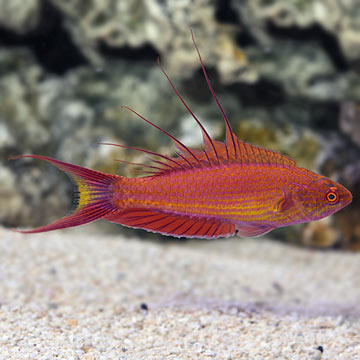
287	74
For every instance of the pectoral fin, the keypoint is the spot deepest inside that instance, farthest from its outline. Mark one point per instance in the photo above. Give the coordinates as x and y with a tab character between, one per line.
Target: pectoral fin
284	203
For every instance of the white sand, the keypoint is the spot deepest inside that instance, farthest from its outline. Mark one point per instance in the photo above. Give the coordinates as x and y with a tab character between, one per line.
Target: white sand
72	295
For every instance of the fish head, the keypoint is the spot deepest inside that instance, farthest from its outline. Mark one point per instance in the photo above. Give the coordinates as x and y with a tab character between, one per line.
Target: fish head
322	197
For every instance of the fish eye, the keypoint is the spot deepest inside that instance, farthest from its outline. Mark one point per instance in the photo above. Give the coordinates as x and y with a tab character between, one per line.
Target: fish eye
332	196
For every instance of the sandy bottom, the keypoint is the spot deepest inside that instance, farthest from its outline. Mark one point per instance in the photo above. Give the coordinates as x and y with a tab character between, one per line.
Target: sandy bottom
82	295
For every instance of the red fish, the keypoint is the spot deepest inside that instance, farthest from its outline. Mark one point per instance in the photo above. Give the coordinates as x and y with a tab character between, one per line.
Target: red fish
222	189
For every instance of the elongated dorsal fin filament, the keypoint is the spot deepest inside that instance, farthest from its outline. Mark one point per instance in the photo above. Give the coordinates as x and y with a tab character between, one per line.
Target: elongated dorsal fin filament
142	165
206	137
214	152
184	147
230	138
167	158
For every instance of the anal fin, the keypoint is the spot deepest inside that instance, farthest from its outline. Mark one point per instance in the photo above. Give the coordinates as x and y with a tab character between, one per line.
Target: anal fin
173	224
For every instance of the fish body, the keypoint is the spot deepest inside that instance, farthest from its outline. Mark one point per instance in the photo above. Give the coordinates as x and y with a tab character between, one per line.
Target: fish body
245	194
224	188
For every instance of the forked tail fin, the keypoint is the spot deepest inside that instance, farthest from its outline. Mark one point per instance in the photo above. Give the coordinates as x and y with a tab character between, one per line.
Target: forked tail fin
93	195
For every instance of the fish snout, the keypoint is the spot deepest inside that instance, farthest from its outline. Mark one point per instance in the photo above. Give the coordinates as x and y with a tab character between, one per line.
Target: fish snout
346	196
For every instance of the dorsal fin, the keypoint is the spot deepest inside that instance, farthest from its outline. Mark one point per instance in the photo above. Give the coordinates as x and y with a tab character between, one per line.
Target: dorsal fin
208	142
252	154
214	152
246	154
233	150
230	138
177	142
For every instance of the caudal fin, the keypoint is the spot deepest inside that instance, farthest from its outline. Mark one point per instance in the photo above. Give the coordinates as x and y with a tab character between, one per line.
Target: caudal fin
93	195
